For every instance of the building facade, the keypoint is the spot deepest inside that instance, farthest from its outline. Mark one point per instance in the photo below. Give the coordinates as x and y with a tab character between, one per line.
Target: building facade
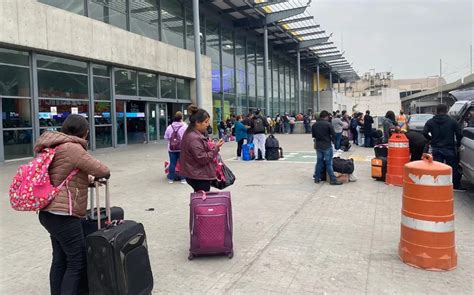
128	66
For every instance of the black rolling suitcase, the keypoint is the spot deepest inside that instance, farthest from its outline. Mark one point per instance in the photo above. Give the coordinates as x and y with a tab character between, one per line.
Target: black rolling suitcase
117	257
89	224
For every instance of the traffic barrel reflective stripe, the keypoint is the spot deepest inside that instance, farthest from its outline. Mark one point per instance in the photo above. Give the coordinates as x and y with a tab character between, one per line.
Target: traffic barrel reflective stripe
427	220
398	156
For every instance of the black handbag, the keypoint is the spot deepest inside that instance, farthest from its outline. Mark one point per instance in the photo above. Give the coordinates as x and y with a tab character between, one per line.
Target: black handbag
342	165
225	177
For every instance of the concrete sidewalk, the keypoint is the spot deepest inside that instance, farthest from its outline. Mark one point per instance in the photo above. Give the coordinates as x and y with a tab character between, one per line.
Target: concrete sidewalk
290	235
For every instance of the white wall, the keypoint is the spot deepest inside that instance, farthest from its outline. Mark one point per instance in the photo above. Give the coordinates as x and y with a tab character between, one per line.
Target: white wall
389	100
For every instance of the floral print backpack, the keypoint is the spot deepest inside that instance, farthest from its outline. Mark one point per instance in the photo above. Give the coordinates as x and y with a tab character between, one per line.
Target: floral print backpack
31	188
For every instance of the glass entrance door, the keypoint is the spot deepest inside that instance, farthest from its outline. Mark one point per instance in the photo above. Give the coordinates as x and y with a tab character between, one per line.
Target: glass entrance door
152	121
120	118
163	118
136	122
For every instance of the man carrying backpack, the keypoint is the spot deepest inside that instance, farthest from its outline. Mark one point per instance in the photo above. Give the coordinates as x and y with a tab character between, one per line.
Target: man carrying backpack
259	125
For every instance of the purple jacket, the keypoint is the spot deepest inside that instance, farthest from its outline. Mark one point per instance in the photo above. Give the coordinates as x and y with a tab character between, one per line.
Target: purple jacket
197	158
169	131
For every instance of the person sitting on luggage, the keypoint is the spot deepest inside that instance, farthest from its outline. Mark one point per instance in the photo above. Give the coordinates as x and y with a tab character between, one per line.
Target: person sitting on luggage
197	158
174	135
323	134
240	135
62	217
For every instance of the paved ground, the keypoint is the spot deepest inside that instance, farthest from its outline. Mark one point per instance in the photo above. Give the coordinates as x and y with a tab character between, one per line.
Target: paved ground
291	235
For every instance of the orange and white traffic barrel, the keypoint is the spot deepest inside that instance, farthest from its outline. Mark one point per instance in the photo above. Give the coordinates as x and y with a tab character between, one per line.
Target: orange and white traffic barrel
427	227
398	156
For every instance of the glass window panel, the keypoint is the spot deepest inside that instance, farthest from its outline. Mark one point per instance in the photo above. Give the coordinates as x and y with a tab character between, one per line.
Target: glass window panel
189	29
125	82
103	136
212	41
52	113
76	6
147	84
61	64
17	144
101	88
102	113
16	113
168	87
14	81
144	18
184	89
100	70
172	18
14	57
62	85
110	12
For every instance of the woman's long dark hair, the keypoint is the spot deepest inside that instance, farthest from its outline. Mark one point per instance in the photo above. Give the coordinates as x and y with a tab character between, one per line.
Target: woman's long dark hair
390	115
196	115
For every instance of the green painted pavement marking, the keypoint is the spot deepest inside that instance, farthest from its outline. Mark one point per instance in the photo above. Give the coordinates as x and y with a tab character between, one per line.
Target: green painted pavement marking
310	157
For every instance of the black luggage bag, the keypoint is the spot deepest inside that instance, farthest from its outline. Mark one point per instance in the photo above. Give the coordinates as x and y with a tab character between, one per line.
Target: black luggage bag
345	166
117	257
89	224
345	144
273	151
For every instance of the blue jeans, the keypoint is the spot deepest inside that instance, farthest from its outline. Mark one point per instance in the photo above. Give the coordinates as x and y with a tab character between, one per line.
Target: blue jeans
326	157
249	138
337	145
174	158
448	156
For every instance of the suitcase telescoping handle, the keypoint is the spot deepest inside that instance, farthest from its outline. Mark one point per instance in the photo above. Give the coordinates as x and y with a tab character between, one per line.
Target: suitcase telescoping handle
97	201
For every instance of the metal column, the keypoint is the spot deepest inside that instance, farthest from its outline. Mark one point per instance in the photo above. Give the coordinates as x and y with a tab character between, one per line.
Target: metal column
298	85
330	81
90	76
197	53
338	85
265	71
317	88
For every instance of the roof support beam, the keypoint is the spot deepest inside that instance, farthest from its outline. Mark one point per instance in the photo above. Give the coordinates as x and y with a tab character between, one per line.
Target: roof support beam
271	18
269	2
304	28
308	34
330	57
295	20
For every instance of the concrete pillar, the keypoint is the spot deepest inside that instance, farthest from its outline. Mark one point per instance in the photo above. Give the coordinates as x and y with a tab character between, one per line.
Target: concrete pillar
265	71
298	65
330	80
317	88
197	53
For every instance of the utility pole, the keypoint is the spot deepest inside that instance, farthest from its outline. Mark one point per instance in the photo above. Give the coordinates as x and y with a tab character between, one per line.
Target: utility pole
470	51
439	80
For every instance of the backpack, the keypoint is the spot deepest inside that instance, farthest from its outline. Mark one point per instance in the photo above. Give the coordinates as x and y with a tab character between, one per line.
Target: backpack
31	188
175	140
271	142
259	126
345	166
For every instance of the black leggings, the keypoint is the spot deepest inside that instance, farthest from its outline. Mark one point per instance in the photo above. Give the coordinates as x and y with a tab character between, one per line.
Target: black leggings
239	147
69	252
199	185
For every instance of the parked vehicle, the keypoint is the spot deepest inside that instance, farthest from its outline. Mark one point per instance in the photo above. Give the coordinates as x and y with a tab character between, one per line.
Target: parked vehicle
463	112
417	122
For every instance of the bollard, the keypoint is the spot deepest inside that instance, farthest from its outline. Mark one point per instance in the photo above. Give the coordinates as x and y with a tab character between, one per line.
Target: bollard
427	224
398	156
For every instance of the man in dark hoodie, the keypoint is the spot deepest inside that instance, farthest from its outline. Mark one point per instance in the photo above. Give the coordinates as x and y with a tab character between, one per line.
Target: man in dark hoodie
324	135
441	131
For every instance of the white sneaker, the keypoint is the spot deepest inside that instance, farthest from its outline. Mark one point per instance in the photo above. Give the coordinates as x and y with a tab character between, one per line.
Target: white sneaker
183	181
340	151
170	181
352	178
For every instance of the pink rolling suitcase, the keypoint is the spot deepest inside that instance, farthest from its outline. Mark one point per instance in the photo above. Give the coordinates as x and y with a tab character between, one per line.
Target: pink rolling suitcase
210	224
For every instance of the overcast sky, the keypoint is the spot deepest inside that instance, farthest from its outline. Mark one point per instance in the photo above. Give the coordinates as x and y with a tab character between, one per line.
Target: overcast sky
406	37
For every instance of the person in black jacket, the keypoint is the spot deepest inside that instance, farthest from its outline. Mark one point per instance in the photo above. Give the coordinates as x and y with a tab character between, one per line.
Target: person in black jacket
441	131
324	135
368	121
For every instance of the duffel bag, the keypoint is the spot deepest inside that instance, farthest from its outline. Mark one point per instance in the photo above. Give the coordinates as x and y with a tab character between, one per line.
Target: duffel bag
345	166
